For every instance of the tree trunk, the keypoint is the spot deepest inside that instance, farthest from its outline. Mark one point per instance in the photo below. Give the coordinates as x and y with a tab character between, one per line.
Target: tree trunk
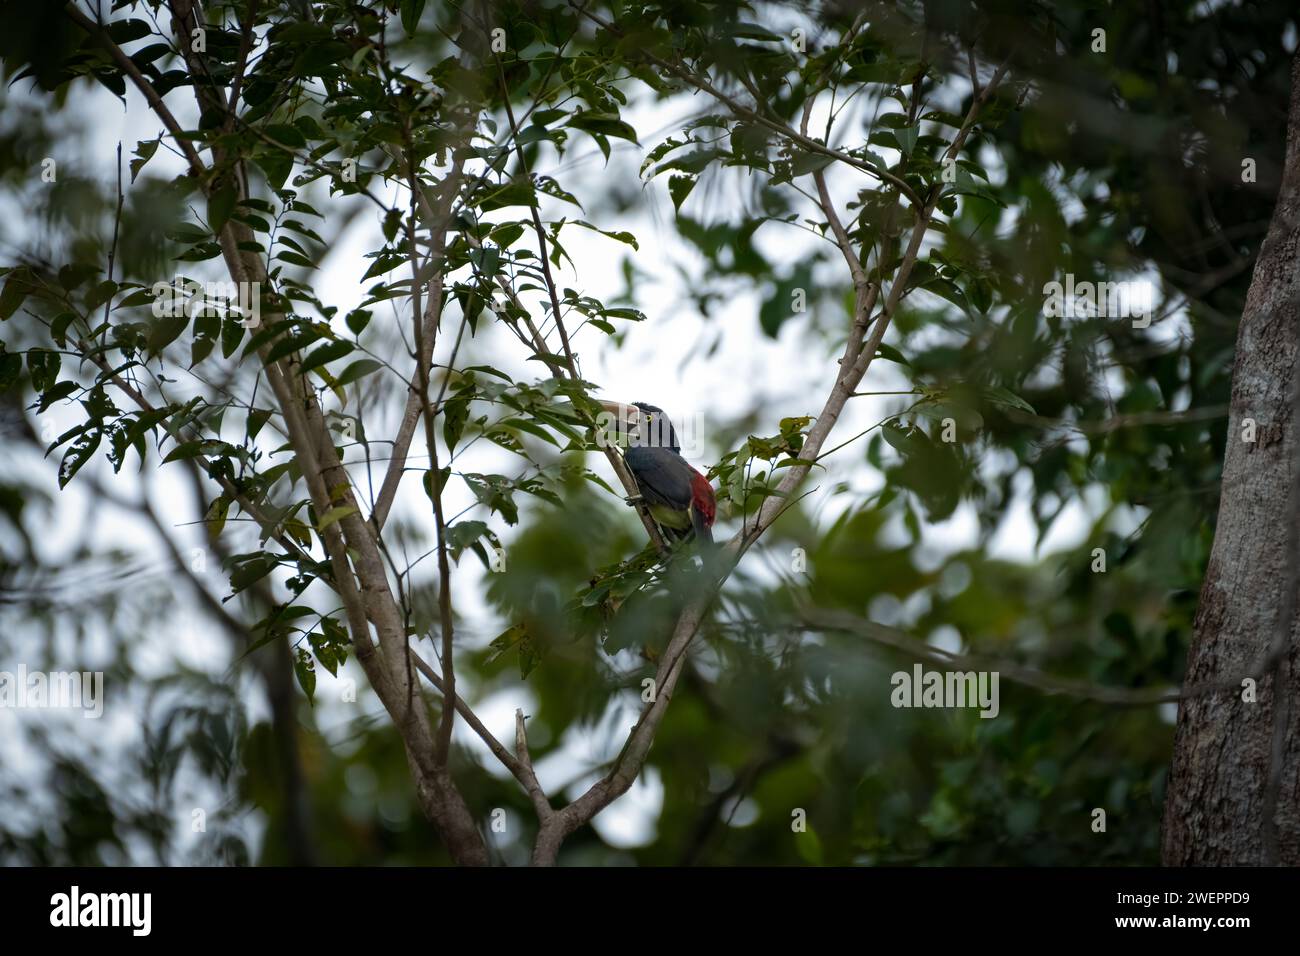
1233	789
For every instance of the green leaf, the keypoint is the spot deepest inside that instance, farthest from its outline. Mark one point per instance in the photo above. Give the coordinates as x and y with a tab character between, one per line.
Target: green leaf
215	517
144	151
523	424
78	454
507	639
99	406
966	418
357	320
358	369
17	288
138	297
294	259
334	515
165	331
186	232
288	344
752	31
980	293
809	846
462	534
52	395
232	333
100	294
891	354
188	449
326	353
806	161
455	414
324	650
43	365
620	236
907	138
275	165
305	671
517	638
679	187
519	192
286	135
507	234
606	124
220	205
11	366
529	657
124	31
908	441
330	645
428	481
1002	396
411	10
117	432
150	53
392	223
257	417
250	569
206	327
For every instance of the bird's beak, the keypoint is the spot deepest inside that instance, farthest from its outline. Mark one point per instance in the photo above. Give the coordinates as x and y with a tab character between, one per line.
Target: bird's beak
626	417
618	408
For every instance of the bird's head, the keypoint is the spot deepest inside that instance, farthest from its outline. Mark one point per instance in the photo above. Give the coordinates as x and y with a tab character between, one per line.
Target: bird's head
645	426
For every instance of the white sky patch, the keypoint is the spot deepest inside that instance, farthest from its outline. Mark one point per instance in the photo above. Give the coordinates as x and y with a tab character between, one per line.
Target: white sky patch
630	820
945	638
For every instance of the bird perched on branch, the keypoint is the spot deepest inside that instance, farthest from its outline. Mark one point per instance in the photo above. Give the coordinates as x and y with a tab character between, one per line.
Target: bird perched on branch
679	498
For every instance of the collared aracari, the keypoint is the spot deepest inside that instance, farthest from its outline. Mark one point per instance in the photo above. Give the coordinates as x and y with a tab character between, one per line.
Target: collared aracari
679	498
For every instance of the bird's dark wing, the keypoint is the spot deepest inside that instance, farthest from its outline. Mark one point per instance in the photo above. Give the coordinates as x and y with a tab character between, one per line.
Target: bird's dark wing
662	476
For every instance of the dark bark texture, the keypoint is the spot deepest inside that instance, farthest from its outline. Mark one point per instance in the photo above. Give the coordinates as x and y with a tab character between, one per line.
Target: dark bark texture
1231	800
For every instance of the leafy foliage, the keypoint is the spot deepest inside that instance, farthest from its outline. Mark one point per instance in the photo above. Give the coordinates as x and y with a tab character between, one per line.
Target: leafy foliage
1119	165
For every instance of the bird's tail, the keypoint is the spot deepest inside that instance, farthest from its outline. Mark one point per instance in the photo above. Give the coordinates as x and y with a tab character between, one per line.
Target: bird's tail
702	530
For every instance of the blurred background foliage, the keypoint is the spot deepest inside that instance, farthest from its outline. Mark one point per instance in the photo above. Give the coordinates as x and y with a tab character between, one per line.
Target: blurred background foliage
1107	165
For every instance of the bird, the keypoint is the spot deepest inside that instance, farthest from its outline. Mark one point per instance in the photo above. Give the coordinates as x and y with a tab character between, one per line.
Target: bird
679	498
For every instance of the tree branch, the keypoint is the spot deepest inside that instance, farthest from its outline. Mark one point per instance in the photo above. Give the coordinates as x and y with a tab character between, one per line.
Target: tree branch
350	542
520	767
